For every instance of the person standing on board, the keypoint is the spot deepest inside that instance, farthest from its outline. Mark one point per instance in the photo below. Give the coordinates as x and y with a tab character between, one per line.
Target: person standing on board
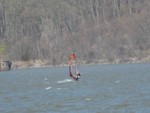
76	76
72	61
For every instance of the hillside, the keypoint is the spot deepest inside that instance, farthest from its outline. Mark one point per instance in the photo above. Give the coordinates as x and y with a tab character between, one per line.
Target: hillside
97	31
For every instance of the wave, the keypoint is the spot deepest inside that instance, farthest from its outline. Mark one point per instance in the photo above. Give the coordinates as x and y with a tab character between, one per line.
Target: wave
65	81
61	88
87	99
48	88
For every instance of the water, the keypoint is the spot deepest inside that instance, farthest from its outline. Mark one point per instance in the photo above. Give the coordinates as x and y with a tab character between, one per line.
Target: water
123	88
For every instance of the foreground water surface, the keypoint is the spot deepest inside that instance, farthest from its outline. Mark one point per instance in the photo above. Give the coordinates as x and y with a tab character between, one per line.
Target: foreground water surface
123	88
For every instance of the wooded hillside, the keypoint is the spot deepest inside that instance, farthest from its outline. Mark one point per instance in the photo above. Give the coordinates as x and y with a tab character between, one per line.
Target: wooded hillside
93	29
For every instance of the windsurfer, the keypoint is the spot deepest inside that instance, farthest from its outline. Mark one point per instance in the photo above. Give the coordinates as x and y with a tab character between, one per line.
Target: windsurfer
76	76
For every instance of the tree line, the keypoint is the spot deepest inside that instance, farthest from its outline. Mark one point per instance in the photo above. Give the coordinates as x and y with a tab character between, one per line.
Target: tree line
93	29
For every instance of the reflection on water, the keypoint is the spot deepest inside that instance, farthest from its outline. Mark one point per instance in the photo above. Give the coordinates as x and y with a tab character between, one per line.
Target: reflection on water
123	88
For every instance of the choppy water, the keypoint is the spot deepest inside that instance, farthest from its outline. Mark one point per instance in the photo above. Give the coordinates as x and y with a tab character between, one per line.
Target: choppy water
123	88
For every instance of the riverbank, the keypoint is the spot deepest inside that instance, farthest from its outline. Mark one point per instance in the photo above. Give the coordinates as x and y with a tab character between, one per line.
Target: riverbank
30	64
46	63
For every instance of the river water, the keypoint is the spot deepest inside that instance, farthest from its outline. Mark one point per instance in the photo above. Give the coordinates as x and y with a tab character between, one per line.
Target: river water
122	88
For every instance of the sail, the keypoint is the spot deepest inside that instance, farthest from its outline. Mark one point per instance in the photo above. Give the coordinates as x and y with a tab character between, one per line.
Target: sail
73	63
72	59
70	72
73	67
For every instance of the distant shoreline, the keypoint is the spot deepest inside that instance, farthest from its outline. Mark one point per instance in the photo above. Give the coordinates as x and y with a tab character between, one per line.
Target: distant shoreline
45	63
